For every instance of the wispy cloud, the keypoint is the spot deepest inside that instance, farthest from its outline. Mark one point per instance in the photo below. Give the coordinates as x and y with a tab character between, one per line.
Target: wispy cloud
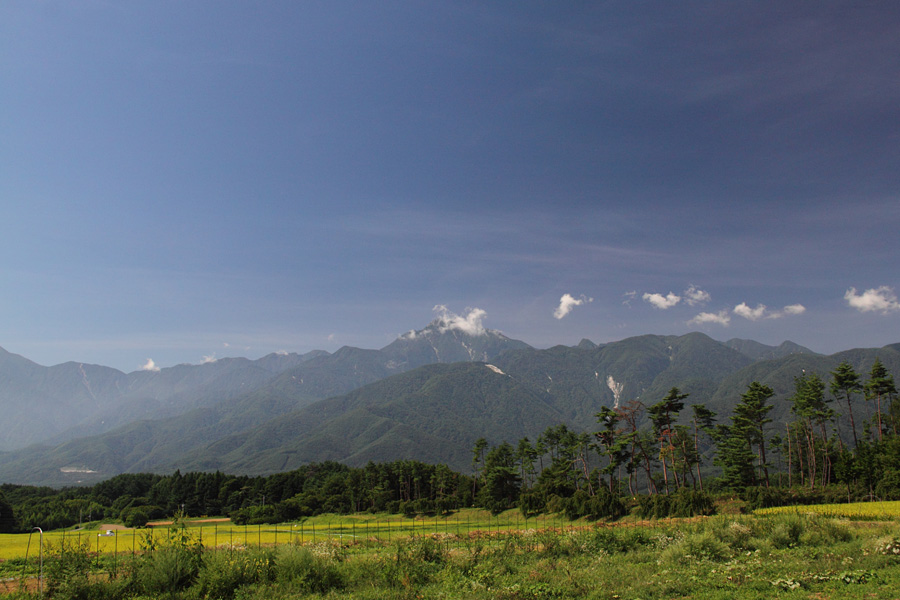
719	318
629	296
761	312
662	302
150	366
792	309
209	359
568	302
881	299
469	323
693	295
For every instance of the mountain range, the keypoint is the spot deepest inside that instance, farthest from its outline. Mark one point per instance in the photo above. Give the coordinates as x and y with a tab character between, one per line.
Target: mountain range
428	395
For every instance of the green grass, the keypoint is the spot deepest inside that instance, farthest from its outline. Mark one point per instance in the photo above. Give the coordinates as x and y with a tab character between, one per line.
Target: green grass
727	556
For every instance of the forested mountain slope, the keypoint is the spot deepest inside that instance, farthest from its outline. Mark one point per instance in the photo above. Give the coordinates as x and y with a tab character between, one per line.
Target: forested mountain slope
432	412
436	413
150	418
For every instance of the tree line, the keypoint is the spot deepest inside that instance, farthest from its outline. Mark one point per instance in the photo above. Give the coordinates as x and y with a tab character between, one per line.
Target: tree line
657	453
401	486
657	450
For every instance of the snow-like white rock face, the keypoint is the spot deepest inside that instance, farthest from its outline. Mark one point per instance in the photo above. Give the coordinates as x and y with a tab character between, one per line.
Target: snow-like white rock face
616	388
495	369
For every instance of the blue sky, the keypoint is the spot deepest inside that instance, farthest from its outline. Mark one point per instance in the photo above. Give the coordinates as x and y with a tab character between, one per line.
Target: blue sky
189	180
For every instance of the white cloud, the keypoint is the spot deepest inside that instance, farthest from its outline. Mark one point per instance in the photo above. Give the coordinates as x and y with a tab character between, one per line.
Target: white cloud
470	323
567	303
150	366
720	318
752	314
793	309
209	359
881	299
629	296
693	295
761	312
662	302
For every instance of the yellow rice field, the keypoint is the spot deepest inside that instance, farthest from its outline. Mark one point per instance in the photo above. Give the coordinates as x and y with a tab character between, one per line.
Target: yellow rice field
855	510
345	529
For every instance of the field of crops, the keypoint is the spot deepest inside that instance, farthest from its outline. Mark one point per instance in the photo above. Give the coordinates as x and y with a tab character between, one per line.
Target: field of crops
855	510
355	529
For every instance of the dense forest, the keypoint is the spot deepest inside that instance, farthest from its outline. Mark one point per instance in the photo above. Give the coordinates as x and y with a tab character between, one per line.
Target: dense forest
660	456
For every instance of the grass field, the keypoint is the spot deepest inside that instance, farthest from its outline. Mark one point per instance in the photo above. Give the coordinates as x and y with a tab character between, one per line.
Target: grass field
793	556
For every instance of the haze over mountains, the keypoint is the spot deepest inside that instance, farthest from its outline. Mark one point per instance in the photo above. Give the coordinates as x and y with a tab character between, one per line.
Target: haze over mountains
428	395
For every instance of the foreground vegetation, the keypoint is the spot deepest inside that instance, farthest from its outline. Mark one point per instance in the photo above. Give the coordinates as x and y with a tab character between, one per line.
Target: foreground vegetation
726	556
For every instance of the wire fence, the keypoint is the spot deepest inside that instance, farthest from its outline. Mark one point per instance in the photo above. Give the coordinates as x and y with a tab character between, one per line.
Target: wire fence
350	531
114	552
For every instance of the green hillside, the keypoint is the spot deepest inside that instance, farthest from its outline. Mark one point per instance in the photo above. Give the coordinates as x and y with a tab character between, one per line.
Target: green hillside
434	412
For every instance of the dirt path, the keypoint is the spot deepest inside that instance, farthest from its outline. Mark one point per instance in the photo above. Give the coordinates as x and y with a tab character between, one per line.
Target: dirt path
9	586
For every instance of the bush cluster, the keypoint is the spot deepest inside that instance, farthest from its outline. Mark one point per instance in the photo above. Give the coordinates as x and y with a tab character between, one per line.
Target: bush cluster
683	503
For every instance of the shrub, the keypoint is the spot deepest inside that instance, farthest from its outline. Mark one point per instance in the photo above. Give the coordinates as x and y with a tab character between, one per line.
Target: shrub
683	503
530	503
822	531
414	563
787	531
737	534
223	572
701	545
67	568
688	503
309	571
611	541
169	566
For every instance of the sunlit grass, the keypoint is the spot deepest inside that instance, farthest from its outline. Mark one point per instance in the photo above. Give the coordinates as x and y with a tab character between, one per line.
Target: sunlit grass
726	556
855	510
